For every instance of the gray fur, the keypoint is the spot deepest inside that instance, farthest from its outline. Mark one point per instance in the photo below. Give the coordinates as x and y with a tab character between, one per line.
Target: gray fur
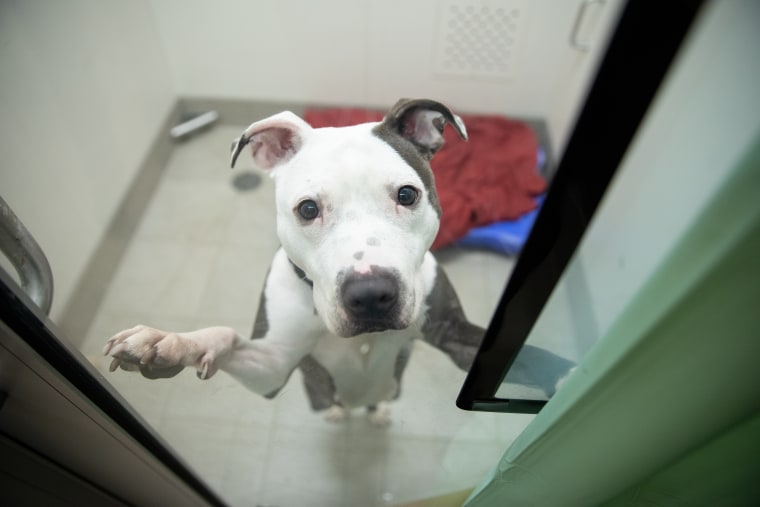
446	326
392	130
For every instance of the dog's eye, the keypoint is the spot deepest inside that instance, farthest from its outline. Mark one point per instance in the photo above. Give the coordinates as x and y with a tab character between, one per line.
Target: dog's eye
308	209
407	195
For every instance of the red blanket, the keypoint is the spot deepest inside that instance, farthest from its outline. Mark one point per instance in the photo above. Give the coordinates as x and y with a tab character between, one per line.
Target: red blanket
490	178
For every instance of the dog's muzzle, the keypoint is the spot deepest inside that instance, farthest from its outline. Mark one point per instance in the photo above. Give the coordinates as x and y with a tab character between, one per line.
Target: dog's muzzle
372	301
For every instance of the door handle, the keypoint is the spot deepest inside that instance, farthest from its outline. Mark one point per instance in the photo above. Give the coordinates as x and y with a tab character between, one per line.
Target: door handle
27	257
575	41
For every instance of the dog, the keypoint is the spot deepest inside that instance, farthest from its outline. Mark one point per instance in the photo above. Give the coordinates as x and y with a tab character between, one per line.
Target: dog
353	283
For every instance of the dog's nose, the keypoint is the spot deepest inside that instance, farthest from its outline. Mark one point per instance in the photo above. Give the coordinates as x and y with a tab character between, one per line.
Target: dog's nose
370	297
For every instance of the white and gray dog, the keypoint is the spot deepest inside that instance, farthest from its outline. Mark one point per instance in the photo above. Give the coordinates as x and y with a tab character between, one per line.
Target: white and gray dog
353	282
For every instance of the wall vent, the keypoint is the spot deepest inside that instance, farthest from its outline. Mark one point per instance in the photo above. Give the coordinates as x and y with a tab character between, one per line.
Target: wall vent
478	38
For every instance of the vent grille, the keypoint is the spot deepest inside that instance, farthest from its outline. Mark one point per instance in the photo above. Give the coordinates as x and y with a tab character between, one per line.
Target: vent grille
478	39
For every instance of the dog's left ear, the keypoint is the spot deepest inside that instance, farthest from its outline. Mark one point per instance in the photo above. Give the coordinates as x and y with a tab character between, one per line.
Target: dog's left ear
421	121
273	140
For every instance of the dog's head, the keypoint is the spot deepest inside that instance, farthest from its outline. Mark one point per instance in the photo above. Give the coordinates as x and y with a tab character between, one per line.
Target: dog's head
357	208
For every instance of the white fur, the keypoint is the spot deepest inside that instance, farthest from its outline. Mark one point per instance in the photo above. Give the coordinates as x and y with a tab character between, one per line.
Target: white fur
358	214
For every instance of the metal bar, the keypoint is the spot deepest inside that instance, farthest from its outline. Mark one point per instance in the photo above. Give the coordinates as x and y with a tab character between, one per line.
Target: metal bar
27	257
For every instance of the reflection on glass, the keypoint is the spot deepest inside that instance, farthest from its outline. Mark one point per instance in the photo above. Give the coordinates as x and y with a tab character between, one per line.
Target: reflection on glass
143	229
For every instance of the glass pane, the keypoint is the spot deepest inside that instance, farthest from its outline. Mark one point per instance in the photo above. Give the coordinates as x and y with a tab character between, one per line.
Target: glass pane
679	159
141	228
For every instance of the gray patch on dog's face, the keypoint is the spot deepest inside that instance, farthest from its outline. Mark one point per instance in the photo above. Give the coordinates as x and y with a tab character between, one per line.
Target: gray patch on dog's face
358	255
411	155
373	242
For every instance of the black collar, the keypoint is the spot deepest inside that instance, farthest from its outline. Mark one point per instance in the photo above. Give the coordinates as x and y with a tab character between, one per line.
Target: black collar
301	274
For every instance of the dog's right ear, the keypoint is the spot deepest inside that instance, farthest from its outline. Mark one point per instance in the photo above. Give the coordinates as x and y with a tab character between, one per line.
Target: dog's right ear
273	140
421	121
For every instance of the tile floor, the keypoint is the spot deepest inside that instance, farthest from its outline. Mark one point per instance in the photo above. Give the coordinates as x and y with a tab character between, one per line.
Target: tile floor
199	258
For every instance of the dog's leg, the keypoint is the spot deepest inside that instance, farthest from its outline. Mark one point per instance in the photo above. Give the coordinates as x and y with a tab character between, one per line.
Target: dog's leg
286	330
447	327
262	365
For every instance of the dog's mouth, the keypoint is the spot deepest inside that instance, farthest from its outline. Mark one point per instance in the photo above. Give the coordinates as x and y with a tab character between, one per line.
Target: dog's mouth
353	328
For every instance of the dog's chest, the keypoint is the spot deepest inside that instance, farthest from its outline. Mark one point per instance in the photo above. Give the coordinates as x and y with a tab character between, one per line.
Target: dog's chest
363	367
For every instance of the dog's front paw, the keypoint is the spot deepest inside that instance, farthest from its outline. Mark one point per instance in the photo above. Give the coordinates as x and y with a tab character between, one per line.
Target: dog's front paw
155	353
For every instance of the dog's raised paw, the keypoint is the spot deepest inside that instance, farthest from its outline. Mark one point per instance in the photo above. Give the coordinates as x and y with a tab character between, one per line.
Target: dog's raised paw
146	349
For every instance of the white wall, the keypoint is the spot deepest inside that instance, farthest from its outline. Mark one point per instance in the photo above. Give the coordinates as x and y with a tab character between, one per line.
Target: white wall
87	83
84	88
372	52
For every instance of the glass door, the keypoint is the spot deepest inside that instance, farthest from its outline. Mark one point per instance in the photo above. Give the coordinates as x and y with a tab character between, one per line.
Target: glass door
146	225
